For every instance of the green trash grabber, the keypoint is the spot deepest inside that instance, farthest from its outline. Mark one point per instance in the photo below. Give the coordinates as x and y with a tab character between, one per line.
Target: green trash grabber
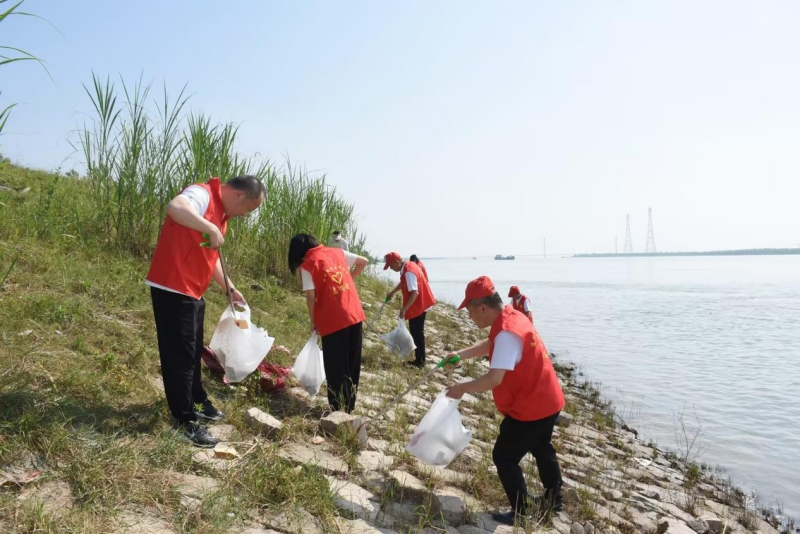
451	360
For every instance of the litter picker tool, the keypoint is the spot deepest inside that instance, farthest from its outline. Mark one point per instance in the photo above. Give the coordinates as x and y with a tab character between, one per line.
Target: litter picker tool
451	360
377	316
207	243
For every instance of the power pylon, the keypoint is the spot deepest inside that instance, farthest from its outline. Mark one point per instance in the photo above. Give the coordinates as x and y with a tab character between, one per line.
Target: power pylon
628	248
650	246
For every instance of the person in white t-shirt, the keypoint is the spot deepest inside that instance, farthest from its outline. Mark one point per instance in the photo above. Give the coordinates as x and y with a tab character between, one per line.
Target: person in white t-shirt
520	302
180	274
334	311
338	241
417	300
525	390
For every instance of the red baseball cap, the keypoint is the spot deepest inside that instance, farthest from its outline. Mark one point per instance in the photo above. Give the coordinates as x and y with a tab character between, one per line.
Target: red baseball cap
477	289
391	258
514	291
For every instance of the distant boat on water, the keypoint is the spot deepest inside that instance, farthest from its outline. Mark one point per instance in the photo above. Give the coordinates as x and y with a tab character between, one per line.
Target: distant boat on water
501	257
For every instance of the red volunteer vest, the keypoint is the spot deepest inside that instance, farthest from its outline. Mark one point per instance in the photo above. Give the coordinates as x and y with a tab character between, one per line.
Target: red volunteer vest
337	304
179	262
531	391
521	306
424	297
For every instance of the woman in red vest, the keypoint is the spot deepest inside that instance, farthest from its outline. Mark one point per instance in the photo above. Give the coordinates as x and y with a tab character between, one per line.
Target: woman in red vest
526	391
417	300
335	311
415	259
520	302
179	275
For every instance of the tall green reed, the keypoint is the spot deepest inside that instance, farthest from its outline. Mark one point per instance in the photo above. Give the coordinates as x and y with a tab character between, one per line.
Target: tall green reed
11	54
137	161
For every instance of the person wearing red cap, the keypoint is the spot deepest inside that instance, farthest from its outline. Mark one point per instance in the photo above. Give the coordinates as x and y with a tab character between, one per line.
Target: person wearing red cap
526	391
334	310
417	300
520	302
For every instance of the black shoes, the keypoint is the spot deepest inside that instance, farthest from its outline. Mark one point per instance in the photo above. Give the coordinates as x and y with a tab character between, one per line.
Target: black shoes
539	505
547	502
196	434
508	518
209	413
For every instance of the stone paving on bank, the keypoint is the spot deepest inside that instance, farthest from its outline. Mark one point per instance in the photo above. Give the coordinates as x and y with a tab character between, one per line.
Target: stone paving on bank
614	481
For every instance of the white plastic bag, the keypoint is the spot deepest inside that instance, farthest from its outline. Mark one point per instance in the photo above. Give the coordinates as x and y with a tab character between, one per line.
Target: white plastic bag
440	436
399	340
309	367
239	350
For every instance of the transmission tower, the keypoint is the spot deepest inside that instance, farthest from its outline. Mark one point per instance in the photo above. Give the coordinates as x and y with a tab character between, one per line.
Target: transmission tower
628	248
650	246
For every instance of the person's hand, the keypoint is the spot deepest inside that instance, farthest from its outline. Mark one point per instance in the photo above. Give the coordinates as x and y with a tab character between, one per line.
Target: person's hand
402	314
449	366
215	238
237	297
388	297
313	328
455	392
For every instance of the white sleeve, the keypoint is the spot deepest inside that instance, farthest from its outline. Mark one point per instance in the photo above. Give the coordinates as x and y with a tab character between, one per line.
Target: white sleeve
350	257
198	198
527	305
308	282
507	351
345	245
411	281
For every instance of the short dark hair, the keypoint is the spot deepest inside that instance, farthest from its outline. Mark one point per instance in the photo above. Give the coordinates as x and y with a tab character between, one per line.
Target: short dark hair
494	301
336	232
414	258
298	246
251	185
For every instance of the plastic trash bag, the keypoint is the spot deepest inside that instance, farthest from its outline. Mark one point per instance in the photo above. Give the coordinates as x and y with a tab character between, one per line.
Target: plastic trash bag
440	436
309	367
239	350
399	340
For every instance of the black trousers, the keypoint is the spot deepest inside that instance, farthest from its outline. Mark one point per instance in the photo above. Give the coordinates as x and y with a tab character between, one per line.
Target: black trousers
516	439
179	328
417	328
341	354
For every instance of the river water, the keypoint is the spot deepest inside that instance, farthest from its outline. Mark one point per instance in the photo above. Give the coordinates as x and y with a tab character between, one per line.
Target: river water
714	338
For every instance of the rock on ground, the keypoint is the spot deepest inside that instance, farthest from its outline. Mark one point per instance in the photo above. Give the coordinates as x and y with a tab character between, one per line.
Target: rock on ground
263	423
55	497
354	500
295	521
300	454
142	521
337	423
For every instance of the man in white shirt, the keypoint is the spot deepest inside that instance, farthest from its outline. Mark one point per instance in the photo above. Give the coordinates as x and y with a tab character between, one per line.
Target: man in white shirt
525	390
417	300
338	241
520	302
179	275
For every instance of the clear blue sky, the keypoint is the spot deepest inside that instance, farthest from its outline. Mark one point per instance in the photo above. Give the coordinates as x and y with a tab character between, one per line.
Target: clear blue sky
460	127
